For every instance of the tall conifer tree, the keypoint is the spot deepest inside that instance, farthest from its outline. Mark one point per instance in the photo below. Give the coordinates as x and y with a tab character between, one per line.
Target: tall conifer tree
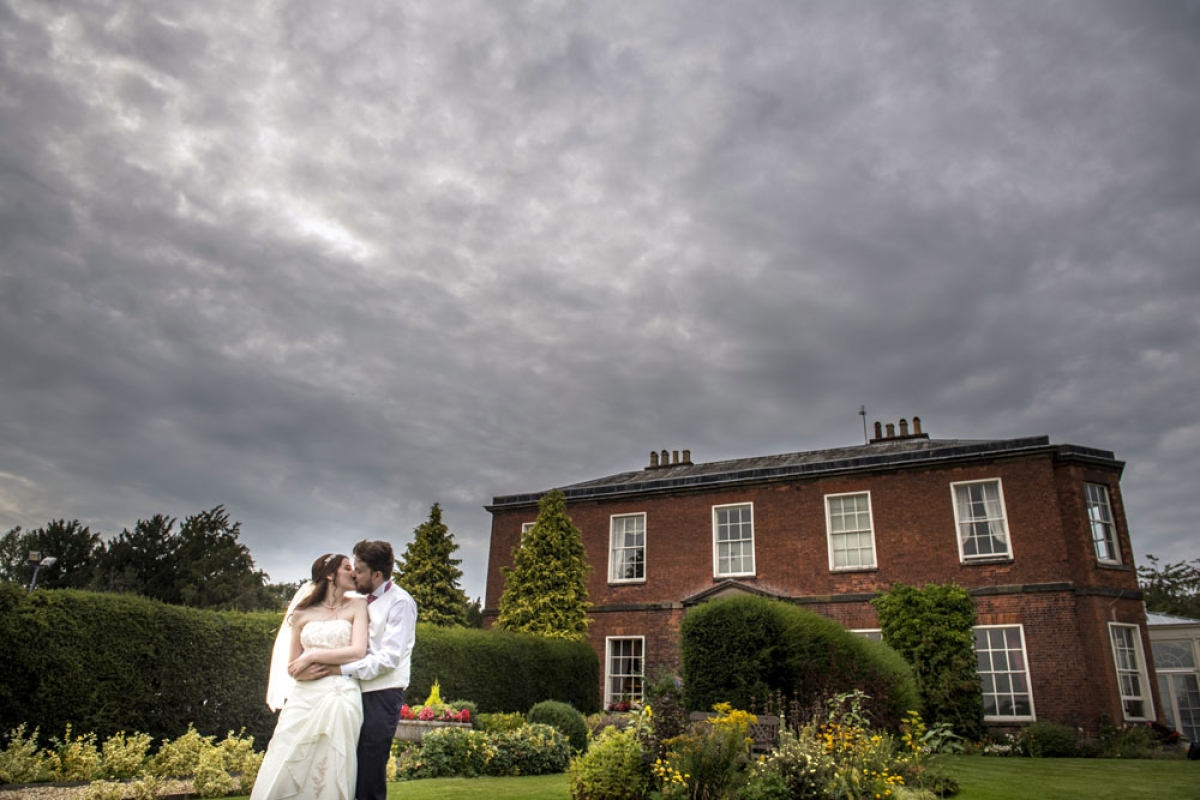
545	591
427	572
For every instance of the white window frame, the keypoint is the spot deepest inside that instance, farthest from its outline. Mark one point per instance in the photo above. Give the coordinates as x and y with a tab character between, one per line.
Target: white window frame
613	548
716	510
959	522
609	675
874	634
526	527
1102	519
1138	671
1168	692
1032	715
829	532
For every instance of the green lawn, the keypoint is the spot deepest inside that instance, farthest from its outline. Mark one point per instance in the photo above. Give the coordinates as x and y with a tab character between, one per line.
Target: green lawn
980	779
1070	778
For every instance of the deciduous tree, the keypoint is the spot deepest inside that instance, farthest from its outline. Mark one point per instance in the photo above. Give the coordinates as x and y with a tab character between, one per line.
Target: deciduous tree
1171	588
545	591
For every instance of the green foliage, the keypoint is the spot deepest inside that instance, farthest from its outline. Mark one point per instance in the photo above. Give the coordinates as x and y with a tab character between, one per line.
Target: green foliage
503	671
427	571
745	650
1171	588
210	778
933	629
453	751
613	768
215	569
494	723
75	758
797	767
178	758
1049	740
22	760
73	545
124	756
533	749
107	663
565	718
104	790
545	591
708	760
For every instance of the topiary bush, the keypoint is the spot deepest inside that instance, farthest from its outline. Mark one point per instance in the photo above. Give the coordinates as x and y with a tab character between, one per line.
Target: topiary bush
563	717
746	650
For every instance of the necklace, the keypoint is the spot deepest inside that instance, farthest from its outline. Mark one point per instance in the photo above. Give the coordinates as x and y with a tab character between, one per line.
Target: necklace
327	605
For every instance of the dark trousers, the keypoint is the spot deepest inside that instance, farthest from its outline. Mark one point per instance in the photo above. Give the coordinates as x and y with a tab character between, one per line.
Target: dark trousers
381	713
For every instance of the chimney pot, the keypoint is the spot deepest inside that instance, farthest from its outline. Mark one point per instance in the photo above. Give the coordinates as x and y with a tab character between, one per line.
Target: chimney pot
878	430
687	456
653	459
674	456
891	430
666	458
917	425
903	427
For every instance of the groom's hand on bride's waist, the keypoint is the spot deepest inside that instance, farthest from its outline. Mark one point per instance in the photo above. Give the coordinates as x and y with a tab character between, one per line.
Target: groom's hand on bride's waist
314	671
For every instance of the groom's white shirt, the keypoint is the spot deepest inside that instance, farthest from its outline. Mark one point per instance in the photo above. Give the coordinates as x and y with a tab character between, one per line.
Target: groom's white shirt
392	628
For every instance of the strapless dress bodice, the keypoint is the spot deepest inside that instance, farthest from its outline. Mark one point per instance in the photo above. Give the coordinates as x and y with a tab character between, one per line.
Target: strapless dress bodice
326	634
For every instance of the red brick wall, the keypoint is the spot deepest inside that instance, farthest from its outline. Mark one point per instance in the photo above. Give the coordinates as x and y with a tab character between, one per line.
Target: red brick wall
1049	586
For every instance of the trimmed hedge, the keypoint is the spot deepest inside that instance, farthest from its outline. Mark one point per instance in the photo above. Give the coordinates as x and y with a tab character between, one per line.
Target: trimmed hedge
745	650
108	662
502	671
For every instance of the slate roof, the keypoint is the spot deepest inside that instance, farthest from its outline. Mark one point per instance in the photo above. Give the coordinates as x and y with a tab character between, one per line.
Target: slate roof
892	453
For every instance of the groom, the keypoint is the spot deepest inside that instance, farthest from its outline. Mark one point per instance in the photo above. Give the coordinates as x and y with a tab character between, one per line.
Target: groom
383	673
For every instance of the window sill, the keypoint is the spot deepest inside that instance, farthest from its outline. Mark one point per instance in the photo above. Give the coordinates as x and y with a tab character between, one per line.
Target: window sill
974	562
635	582
1114	566
851	570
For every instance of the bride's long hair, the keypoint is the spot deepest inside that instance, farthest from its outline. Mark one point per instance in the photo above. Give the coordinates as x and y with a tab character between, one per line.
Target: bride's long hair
324	567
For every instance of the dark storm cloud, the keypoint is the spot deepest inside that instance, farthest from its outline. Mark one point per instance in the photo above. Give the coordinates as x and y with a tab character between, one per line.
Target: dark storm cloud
330	263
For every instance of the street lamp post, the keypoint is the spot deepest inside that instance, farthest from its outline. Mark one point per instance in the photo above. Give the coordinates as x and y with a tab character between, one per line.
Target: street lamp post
37	561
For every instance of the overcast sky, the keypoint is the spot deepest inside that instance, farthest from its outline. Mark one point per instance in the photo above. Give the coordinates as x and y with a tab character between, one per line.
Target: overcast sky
330	263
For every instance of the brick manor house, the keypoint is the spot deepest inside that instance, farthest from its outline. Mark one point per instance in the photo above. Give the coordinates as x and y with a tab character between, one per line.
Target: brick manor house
1035	531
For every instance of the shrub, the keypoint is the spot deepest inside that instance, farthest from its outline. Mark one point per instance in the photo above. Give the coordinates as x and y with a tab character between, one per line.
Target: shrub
1130	741
933	629
744	650
533	749
452	751
22	761
241	760
180	757
467	660
124	755
708	760
211	779
77	759
146	787
104	790
798	767
563	717
611	769
494	723
1049	740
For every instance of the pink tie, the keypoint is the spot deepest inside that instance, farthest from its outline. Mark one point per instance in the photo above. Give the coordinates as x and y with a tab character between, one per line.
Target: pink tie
371	599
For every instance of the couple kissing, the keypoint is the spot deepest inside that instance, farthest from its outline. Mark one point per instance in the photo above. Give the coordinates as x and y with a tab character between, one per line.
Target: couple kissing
339	668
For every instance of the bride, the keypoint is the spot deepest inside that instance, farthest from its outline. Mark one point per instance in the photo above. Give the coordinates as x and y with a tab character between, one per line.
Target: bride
312	753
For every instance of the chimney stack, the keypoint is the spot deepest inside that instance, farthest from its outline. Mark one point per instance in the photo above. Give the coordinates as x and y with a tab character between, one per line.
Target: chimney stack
669	458
891	435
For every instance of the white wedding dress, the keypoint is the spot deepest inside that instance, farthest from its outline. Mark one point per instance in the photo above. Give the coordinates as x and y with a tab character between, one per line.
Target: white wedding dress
312	753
